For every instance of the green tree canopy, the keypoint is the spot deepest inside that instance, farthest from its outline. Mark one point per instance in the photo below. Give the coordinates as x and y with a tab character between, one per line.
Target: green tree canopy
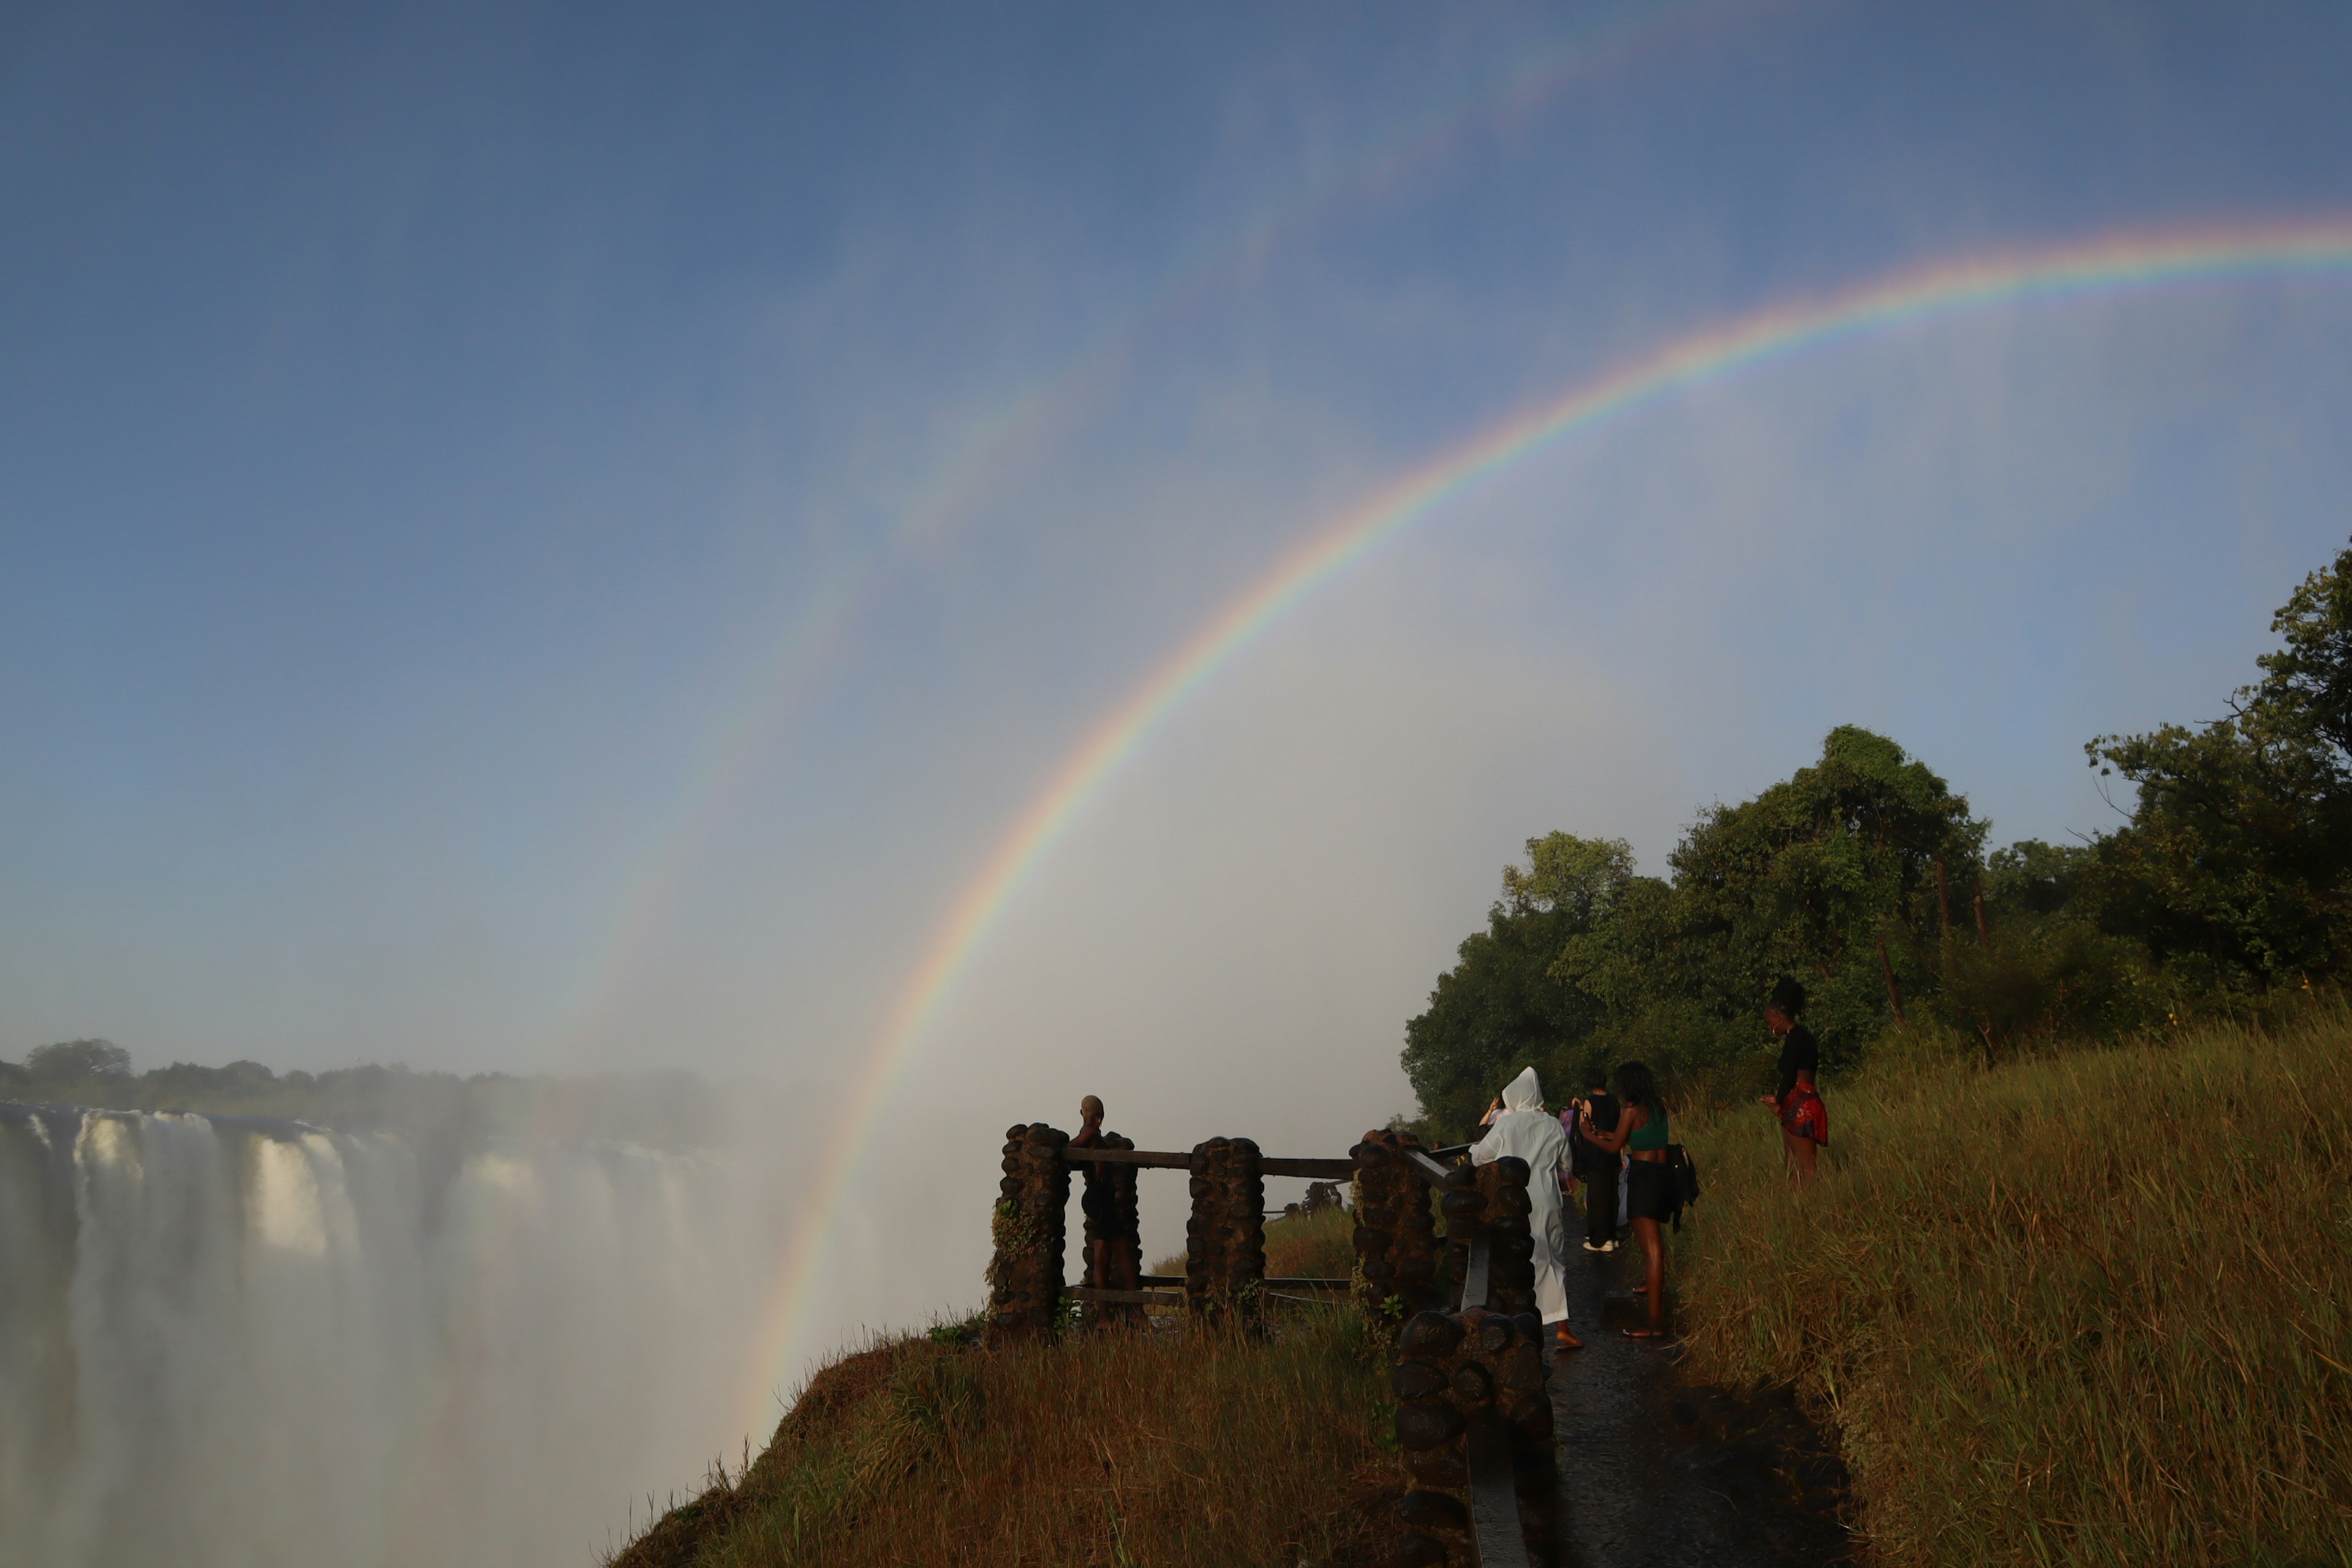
74	1061
1831	876
2234	864
1500	1008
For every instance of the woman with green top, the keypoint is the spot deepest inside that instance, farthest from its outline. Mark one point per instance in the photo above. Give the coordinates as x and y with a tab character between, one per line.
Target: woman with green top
1650	1183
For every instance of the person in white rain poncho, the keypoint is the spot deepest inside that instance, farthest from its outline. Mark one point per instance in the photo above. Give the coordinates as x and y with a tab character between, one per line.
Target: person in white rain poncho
1525	1129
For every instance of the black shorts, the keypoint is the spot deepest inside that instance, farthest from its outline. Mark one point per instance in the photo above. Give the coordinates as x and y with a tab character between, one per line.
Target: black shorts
1650	1192
1100	1203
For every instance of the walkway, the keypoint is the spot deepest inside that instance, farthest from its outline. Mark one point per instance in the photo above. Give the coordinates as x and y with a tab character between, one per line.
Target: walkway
1655	1475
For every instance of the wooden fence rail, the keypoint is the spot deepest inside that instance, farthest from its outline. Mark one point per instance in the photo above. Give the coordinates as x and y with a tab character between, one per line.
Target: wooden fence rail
1474	1416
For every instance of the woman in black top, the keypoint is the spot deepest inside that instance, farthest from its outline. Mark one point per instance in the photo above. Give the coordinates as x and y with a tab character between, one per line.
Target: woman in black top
1804	1120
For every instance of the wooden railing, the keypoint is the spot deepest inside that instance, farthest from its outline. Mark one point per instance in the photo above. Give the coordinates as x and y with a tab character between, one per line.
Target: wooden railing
1472	1415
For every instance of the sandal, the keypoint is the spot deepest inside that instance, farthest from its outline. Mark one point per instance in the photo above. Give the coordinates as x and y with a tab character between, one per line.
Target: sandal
1647	1334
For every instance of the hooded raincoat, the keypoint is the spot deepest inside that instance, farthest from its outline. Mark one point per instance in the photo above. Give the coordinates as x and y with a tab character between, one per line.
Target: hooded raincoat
1528	1130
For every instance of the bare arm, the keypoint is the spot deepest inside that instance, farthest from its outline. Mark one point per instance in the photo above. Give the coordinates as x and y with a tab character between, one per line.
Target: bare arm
1631	1120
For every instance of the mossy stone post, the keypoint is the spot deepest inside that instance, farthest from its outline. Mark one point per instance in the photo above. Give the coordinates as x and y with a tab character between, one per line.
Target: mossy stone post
1224	1241
1120	1180
1024	1276
1511	1242
1396	1238
1463	1202
1457	1370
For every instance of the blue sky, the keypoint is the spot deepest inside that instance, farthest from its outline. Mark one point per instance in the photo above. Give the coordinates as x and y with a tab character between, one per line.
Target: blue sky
426	436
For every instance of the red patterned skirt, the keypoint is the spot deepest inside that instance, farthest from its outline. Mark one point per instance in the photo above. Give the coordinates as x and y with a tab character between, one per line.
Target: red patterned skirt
1802	1113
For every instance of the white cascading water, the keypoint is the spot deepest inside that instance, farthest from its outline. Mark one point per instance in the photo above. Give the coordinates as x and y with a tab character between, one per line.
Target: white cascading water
231	1344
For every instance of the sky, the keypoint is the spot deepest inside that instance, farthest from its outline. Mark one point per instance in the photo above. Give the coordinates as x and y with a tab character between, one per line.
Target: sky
560	538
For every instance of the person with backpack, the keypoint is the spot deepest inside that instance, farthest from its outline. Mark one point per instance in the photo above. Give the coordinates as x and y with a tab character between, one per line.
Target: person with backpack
1804	1120
1653	1191
1599	1110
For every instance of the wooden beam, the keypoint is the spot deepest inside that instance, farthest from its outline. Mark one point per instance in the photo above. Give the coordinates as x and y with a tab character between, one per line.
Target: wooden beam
1474	1283
1299	1284
1128	1157
1430	1170
1125	1298
1494	1499
1317	1170
1321	1169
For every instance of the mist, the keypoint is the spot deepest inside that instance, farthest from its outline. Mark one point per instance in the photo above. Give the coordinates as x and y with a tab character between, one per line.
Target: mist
245	1340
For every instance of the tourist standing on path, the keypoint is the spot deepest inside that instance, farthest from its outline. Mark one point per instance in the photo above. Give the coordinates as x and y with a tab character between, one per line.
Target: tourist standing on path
1804	1120
1650	1195
1115	1263
1525	1128
1600	1110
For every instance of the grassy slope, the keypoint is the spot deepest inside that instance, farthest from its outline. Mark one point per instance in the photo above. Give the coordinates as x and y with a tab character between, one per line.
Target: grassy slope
2092	1308
1117	1448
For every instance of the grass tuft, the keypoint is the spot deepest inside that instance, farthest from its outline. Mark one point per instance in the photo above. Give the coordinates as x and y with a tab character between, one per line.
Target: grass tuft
2093	1308
1130	1449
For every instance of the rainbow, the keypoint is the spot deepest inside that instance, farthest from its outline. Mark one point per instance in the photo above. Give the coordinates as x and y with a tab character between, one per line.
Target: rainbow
1023	428
2108	265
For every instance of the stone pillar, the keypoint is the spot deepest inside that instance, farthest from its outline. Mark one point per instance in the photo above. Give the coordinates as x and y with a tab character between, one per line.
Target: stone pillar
1456	1369
1511	1272
1492	1200
1396	1238
1024	1276
1224	1241
1119	1182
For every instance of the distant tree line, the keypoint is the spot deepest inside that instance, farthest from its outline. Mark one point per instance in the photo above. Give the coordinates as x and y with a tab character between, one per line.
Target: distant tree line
2227	888
436	1110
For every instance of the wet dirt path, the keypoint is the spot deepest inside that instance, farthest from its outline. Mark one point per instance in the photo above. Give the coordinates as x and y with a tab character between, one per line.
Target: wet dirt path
1656	1475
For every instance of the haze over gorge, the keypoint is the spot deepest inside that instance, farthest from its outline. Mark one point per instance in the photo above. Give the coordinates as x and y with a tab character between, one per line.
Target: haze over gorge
469	1335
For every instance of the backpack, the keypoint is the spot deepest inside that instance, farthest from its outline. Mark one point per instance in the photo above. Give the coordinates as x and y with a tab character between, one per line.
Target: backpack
1686	1180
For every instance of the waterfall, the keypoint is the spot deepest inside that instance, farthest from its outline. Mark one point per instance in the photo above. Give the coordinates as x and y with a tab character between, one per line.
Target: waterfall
240	1343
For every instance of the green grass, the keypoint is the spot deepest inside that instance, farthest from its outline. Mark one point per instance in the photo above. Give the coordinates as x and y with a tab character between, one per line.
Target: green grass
1135	1449
2091	1309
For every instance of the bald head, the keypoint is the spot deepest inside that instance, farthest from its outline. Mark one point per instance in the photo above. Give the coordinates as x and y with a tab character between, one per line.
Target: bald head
1090	1108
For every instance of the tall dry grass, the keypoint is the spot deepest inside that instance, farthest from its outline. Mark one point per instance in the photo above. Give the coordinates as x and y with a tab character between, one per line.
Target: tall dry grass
1299	1246
2091	1309
1134	1449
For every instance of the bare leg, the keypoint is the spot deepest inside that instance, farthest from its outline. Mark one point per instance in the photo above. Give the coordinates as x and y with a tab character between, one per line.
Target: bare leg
1802	1152
1654	1245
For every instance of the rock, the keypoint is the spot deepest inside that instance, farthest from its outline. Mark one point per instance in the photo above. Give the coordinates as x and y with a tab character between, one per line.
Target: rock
1431	1334
1414	1550
1439	1468
1426	1424
1433	1511
1416	1380
1522	1370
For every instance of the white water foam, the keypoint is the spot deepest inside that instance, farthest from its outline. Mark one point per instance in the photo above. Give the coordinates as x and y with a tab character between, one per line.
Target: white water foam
247	1344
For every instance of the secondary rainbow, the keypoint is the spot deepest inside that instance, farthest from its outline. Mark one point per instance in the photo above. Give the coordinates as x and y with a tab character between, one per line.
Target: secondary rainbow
2107	265
1020	434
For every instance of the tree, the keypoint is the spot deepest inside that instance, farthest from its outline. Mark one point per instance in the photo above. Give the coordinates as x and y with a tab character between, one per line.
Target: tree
1499	1008
77	1061
1831	876
2233	865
